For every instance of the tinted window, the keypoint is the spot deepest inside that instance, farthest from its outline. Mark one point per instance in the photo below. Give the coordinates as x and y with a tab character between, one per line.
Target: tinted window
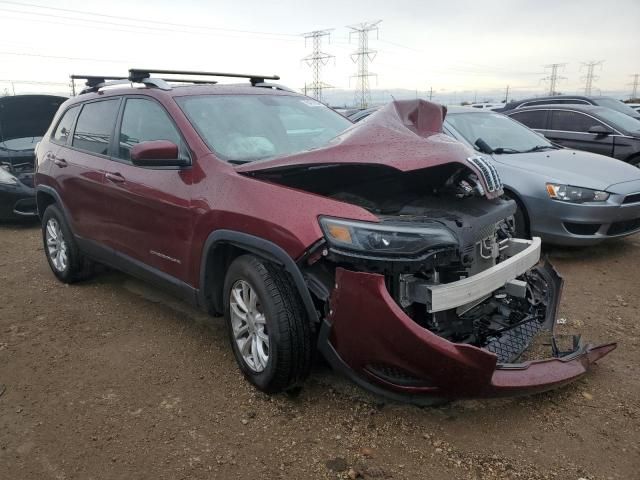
533	119
572	121
63	130
535	104
142	121
619	120
94	127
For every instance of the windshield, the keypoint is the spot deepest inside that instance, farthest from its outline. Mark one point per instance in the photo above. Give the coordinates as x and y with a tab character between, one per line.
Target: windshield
26	143
616	105
244	128
500	133
619	120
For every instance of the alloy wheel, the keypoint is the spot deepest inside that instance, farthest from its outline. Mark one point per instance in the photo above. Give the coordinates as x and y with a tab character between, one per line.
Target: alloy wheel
56	245
249	325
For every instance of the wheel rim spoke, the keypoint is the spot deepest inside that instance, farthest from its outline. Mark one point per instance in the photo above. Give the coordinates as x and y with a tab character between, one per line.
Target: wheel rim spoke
249	326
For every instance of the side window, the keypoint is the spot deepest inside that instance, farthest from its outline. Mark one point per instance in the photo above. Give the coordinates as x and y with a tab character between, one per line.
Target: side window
63	130
535	103
144	120
94	127
572	121
532	119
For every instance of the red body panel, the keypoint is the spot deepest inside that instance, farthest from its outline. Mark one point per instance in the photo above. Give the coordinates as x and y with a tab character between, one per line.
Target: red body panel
369	328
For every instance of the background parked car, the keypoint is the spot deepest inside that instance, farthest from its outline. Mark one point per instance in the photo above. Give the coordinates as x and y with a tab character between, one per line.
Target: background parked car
608	102
564	196
23	121
585	127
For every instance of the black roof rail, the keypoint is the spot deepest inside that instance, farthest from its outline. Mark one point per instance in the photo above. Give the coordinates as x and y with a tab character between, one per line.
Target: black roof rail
138	74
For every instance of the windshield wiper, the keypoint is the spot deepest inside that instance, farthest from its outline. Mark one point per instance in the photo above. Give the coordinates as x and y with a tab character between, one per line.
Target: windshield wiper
501	150
539	148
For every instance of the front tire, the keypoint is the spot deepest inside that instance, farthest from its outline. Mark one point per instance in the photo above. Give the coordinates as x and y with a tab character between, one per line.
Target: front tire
268	326
520	219
65	259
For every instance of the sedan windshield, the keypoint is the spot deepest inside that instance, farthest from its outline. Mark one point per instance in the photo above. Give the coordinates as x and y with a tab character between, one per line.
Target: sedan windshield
244	128
619	120
616	105
496	132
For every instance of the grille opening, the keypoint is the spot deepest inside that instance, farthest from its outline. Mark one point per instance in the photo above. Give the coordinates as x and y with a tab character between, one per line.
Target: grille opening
626	226
582	228
397	375
633	198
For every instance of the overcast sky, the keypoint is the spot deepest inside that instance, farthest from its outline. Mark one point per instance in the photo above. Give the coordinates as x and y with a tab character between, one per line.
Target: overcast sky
452	46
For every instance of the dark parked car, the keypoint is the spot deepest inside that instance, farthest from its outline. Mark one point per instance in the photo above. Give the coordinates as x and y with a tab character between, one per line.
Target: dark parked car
594	129
607	102
386	244
23	121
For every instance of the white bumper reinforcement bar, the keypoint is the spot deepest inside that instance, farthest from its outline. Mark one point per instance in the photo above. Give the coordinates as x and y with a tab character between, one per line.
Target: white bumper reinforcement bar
523	254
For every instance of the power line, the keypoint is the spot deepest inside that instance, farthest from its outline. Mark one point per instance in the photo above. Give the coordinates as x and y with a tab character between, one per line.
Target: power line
590	77
362	56
634	85
316	60
148	21
554	77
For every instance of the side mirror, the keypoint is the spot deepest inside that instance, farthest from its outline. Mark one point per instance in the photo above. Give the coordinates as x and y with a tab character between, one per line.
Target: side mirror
157	153
600	130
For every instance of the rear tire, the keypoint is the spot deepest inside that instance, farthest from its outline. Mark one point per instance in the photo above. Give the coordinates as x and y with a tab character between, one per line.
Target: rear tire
65	259
268	327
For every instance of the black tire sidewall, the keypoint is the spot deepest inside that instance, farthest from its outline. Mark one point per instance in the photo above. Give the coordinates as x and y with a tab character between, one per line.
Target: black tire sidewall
247	268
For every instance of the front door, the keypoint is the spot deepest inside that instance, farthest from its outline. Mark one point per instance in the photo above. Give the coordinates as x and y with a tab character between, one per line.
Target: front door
149	219
571	129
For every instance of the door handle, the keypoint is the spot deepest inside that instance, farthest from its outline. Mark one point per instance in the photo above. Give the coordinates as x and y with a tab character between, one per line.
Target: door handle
114	177
61	162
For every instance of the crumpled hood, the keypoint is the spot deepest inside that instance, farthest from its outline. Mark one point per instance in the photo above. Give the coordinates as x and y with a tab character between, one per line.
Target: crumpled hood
405	135
573	167
27	115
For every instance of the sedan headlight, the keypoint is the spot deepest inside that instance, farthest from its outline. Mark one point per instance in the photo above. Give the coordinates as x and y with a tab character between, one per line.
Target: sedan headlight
6	178
373	238
567	193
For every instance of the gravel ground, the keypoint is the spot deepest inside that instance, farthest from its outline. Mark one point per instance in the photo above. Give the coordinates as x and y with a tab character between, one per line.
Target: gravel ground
112	379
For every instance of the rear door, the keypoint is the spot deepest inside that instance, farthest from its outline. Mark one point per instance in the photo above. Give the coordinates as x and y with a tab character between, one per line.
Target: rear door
78	165
149	218
571	129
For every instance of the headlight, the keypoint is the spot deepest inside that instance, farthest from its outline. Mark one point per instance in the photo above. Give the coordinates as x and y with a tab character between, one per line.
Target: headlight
6	178
375	238
567	193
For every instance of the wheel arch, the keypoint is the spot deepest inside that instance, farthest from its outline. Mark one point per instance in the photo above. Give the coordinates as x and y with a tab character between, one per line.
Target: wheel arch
223	246
512	194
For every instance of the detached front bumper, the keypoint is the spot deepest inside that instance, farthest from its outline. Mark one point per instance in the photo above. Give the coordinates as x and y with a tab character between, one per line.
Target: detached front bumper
370	338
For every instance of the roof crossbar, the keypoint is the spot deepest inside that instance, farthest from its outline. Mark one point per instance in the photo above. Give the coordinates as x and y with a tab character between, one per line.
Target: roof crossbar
137	74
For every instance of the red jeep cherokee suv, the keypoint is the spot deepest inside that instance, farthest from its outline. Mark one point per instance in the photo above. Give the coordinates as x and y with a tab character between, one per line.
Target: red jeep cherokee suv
385	245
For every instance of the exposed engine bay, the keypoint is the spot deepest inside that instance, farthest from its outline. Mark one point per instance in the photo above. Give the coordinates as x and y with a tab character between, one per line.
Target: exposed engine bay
467	237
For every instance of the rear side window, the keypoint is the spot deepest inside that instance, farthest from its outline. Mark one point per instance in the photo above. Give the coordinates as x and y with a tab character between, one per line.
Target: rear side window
63	130
94	127
142	121
534	119
572	121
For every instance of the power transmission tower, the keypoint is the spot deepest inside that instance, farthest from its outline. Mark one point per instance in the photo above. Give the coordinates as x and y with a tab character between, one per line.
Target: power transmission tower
590	77
506	95
362	56
430	93
634	85
554	77
316	60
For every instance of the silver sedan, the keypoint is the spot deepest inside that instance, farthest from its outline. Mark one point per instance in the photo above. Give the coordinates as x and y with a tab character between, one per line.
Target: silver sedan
565	196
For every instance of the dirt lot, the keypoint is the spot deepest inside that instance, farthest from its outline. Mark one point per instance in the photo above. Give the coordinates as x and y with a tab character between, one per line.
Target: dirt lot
112	379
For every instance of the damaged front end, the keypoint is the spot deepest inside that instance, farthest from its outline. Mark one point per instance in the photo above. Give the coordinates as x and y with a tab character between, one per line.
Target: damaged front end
437	299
